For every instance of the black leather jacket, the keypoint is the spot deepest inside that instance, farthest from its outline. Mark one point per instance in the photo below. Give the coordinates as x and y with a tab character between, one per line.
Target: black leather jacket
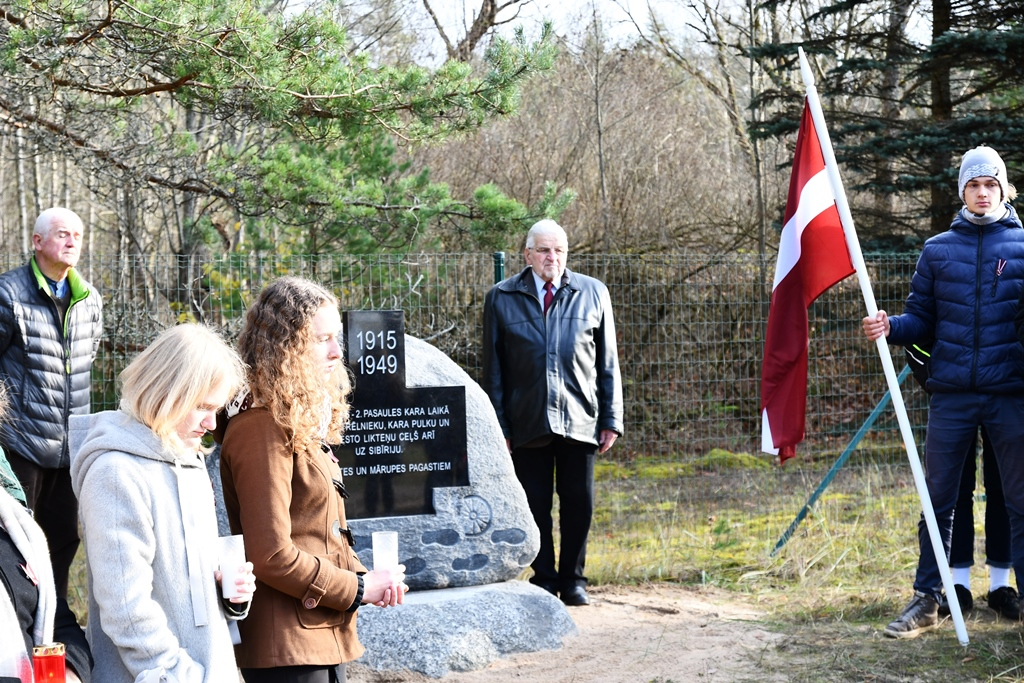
45	362
557	374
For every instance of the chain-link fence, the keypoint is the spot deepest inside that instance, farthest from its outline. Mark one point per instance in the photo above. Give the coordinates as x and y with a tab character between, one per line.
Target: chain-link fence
691	334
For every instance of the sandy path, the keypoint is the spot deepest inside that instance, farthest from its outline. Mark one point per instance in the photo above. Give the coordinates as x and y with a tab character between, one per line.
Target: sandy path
655	633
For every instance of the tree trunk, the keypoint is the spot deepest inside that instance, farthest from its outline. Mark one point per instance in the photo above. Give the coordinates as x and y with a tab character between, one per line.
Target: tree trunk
889	94
37	180
52	200
19	150
4	237
754	84
942	112
606	232
65	186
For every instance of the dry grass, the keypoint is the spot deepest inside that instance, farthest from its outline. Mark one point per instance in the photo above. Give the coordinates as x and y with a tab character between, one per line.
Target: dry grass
844	575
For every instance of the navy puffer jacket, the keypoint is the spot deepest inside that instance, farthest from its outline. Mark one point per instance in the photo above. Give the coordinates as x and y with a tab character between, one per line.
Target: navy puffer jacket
964	294
45	362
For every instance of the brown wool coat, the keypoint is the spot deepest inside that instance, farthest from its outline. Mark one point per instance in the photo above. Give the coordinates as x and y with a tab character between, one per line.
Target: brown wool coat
286	506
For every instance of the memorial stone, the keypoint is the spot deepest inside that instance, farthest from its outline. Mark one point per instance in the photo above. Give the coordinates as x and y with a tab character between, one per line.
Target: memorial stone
460	513
400	442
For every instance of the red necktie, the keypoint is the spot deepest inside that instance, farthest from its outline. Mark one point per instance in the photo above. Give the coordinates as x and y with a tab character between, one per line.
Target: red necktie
549	296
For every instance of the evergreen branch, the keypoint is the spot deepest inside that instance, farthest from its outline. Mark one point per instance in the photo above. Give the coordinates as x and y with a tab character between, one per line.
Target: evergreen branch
105	155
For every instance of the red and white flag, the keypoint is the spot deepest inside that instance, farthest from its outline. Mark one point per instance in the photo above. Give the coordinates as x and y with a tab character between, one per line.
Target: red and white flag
813	256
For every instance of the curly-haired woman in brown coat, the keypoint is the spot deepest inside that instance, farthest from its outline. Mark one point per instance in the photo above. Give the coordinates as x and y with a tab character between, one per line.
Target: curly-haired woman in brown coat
282	492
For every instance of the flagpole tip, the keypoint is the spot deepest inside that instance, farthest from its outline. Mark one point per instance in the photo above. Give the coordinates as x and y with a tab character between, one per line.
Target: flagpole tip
805	69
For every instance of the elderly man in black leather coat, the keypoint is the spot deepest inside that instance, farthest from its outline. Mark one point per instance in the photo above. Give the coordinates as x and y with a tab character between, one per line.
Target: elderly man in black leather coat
551	370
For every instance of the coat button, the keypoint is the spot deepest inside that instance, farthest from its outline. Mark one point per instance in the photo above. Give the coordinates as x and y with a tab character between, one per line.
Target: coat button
336	529
310	603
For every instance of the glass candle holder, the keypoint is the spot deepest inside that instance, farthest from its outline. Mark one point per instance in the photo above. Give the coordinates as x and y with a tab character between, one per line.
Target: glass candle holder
48	663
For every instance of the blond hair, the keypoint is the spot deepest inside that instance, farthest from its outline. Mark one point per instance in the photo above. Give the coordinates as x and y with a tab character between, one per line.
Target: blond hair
283	377
173	376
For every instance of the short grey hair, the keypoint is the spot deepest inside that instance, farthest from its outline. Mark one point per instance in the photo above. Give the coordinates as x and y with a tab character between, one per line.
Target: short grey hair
46	218
546	227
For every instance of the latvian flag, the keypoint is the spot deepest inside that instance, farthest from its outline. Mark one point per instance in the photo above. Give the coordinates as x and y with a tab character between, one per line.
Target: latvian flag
813	256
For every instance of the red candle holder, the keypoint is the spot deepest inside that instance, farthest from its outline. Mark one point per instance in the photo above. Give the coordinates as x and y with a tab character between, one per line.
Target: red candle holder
48	663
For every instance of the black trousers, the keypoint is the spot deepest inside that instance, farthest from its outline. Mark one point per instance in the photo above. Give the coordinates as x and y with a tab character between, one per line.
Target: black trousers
997	521
296	674
49	495
565	467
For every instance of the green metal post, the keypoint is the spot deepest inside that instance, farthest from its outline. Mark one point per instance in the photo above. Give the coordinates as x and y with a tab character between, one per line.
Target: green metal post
499	266
850	448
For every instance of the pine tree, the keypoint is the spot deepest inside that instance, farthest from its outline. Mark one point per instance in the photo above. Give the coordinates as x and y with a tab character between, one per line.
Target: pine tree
242	126
902	109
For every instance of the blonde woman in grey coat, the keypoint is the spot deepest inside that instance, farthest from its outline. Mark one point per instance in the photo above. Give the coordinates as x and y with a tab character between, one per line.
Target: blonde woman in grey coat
155	609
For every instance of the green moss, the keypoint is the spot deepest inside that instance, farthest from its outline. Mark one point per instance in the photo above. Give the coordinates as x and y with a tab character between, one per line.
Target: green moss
719	459
611	470
664	470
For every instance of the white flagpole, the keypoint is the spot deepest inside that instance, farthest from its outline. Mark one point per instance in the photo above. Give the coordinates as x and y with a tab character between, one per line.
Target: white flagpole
857	257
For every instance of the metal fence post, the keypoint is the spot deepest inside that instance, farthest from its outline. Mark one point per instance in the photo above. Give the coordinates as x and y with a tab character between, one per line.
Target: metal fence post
499	266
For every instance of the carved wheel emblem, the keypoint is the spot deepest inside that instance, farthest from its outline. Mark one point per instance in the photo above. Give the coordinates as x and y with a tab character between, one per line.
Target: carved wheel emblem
474	515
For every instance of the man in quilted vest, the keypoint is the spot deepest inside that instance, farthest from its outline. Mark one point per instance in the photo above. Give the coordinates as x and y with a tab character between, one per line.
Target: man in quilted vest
50	327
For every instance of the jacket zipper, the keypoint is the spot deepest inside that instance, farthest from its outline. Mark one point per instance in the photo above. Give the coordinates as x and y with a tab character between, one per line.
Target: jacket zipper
67	367
977	310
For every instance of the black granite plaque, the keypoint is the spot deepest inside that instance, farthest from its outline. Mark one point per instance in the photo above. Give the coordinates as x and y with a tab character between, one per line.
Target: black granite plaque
400	442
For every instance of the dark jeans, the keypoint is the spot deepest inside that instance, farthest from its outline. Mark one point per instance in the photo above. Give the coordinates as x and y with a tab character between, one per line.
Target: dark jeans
953	421
568	468
49	495
997	522
296	674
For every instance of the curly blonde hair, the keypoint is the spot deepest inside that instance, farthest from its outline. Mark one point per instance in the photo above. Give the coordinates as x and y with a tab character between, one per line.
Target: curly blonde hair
275	343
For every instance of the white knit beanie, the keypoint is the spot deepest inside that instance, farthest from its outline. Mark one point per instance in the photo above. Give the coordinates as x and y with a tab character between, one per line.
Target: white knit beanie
982	161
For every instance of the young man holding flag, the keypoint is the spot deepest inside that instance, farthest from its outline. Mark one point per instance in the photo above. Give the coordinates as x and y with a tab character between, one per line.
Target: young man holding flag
964	295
